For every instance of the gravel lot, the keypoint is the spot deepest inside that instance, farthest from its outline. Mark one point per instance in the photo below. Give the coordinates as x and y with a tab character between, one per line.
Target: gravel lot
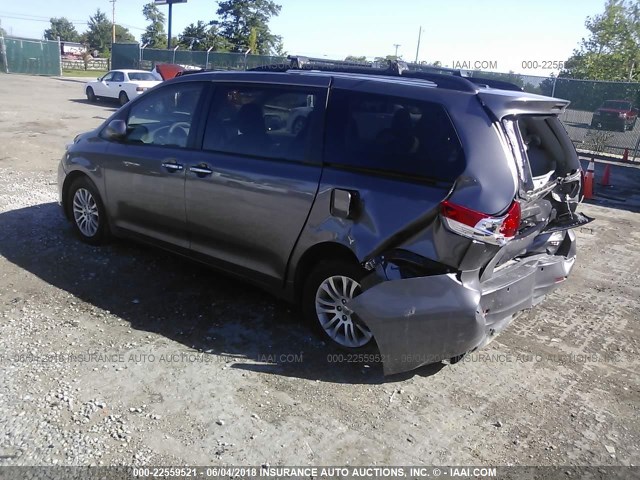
125	355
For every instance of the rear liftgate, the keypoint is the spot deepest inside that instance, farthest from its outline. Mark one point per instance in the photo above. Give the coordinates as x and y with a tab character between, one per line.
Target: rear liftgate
509	262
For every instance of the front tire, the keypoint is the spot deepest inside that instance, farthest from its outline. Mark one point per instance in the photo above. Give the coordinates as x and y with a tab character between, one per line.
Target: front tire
123	98
326	292
91	95
87	212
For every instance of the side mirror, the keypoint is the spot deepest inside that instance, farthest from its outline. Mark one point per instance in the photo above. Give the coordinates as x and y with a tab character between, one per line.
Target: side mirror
99	79
116	130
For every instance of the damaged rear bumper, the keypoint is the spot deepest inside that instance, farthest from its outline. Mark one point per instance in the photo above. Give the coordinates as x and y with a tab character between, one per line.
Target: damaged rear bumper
423	320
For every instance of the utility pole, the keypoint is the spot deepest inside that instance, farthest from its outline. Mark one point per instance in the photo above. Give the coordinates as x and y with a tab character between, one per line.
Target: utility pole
396	45
113	21
169	32
418	47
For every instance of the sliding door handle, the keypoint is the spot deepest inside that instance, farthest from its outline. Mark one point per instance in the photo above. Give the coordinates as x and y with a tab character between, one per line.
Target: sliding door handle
201	170
172	166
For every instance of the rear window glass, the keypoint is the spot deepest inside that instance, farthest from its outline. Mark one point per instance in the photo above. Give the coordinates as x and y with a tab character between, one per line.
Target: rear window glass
391	134
141	76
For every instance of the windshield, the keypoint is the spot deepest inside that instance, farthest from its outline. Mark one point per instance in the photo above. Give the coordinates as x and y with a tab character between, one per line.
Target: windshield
141	76
616	105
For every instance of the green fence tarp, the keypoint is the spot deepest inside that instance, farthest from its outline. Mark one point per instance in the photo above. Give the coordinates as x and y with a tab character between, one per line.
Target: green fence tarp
35	57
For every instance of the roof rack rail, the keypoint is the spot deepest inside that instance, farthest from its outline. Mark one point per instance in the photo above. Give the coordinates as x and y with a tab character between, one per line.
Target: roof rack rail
395	69
480	81
443	77
301	60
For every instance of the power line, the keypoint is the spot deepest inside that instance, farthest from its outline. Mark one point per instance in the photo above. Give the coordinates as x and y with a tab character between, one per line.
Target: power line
43	19
27	16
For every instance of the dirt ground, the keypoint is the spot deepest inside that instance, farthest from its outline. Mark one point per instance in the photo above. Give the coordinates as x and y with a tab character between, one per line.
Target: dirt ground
125	355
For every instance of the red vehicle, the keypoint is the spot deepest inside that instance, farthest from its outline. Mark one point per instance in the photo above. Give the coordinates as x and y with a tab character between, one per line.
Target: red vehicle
167	70
615	115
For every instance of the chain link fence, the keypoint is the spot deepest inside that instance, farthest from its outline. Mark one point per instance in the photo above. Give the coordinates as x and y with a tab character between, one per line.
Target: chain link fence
132	56
602	116
34	57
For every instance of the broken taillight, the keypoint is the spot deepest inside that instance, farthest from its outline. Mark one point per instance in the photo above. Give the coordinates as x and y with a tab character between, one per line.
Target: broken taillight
481	226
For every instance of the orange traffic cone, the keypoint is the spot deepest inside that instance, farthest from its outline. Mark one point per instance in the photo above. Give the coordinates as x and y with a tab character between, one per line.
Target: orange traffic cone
606	176
588	181
625	155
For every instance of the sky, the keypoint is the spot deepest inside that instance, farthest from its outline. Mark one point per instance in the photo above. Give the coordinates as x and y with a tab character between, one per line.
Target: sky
524	36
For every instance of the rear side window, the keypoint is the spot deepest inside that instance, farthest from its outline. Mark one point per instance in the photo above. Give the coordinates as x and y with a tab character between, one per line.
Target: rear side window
391	134
118	77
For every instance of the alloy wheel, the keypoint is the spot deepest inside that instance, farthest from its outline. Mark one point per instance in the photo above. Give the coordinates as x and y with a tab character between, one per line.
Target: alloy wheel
85	212
335	317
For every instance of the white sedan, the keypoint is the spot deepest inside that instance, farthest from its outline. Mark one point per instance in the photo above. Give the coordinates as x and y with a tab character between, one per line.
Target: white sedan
121	84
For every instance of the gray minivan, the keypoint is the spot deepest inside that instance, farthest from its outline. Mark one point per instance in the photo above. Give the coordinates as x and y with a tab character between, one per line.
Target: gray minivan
416	212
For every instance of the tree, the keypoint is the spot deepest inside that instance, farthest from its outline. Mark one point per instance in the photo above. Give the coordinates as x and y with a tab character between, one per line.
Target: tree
202	36
546	86
354	59
384	62
612	50
63	28
238	18
3	32
99	31
98	34
123	35
253	41
154	35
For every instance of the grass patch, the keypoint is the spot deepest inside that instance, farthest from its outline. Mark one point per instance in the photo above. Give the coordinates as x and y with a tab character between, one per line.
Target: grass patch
83	73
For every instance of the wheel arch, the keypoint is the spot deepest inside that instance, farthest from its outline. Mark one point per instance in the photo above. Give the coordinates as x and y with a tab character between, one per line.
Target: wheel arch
325	251
68	181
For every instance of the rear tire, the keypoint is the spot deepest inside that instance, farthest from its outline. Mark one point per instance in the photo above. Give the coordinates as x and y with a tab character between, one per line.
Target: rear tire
87	213
123	98
327	289
91	96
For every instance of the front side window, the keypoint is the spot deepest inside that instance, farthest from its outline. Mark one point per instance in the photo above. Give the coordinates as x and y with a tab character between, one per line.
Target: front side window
390	134
108	77
164	117
280	122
